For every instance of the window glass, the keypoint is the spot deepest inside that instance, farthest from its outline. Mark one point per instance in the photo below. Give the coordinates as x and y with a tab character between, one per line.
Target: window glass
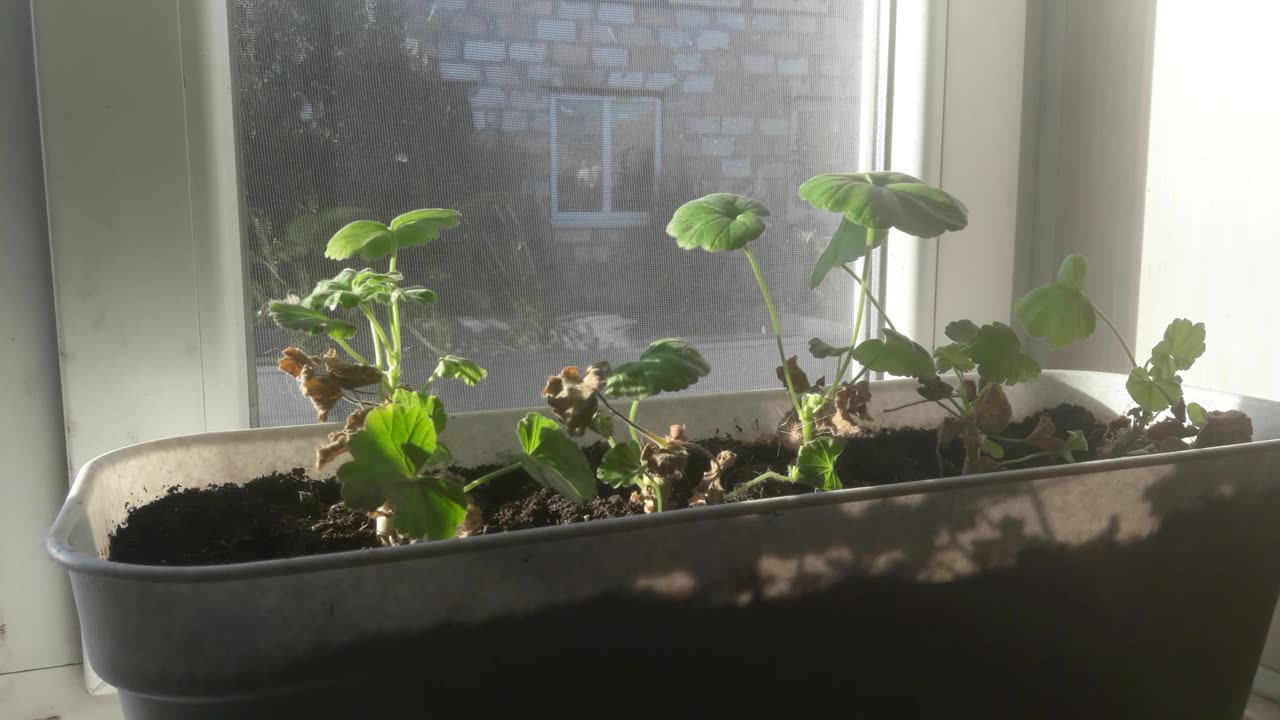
566	132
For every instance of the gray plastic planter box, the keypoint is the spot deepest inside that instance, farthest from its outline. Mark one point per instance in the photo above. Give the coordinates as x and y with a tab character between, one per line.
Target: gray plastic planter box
1133	588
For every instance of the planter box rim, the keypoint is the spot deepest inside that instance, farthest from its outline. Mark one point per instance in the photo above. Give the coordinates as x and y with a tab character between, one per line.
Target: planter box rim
59	547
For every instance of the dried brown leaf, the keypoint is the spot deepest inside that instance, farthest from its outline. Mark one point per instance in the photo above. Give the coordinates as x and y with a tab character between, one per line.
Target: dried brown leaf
292	360
1225	428
572	397
1169	428
935	388
1171	444
711	490
1045	435
799	380
354	376
992	410
949	430
322	390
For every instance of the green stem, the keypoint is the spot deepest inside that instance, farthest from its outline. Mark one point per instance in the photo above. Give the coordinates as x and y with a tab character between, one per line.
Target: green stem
652	437
1132	360
395	331
486	478
771	475
806	428
656	489
1025	458
379	335
350	351
857	316
871	298
631	417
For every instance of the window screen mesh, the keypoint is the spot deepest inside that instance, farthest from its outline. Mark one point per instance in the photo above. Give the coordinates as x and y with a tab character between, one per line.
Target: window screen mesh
566	133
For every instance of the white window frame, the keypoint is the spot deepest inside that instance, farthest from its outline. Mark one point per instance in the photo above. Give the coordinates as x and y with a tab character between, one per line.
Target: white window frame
606	217
124	198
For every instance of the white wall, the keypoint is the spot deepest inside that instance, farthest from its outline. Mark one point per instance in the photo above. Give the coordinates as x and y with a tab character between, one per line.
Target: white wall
1211	244
40	674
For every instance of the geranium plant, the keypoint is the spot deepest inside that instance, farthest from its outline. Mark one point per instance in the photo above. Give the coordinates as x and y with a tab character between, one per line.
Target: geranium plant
397	472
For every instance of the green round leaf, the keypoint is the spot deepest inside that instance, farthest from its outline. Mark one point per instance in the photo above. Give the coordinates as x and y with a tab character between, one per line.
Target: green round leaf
718	222
368	239
419	227
1059	314
998	353
961	331
620	466
422	296
378	458
430	508
1152	393
432	405
552	459
1197	414
459	368
897	354
667	365
311	322
953	357
992	448
816	463
847	245
887	200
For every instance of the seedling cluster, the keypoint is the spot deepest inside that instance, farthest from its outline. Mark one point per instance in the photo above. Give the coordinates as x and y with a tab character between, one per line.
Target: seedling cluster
399	467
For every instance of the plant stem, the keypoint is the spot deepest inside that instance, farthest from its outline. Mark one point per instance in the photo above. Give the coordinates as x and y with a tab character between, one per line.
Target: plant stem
771	475
1132	360
350	351
395	330
379	335
652	437
486	478
857	316
631	418
1025	458
870	297
913	404
806	428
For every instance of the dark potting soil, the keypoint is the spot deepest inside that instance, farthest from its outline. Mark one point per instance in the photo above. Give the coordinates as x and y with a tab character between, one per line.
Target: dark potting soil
286	515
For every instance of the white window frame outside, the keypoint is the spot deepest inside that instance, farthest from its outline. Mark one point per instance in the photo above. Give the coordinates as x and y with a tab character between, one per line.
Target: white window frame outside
606	217
122	201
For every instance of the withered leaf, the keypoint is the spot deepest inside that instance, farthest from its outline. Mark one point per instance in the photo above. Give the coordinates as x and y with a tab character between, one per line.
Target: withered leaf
949	430
799	380
851	401
1044	434
292	360
711	490
1171	444
935	388
572	397
337	444
1225	428
354	376
992	410
322	390
1169	428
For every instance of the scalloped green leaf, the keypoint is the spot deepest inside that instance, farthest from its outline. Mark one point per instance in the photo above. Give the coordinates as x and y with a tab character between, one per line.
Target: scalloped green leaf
1197	414
311	322
816	463
953	357
718	222
433	405
620	466
896	354
887	200
1151	392
367	238
992	448
847	245
453	367
418	227
554	460
998	353
421	296
961	331
1183	344
1060	312
667	365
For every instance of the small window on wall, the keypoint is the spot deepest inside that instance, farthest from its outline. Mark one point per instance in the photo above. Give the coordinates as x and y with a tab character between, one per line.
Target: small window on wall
605	159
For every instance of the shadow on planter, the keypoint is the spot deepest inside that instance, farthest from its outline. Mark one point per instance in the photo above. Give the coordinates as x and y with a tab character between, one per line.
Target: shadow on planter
1143	594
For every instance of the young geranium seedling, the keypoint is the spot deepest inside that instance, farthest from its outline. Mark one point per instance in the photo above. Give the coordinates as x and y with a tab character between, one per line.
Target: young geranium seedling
870	204
1062	313
396	472
649	462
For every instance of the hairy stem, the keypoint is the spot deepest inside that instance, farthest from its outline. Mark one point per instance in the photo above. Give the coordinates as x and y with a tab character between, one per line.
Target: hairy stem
1127	351
871	298
857	316
631	418
350	351
379	336
395	330
490	476
806	428
757	481
652	437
